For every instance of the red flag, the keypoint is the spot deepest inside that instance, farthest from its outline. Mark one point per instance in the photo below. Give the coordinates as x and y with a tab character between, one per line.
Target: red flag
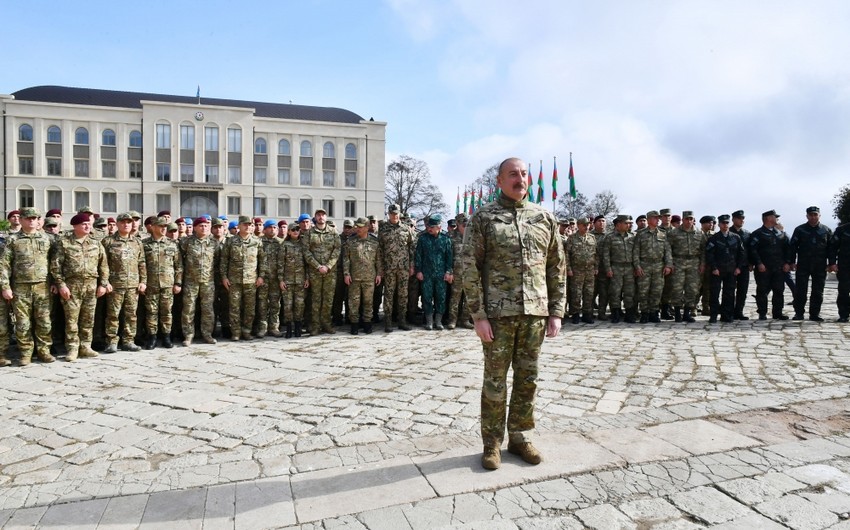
540	184
554	179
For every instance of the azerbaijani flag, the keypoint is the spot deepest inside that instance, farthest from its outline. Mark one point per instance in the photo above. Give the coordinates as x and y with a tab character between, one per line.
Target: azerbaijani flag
554	179
457	202
540	184
480	196
464	199
572	179
530	185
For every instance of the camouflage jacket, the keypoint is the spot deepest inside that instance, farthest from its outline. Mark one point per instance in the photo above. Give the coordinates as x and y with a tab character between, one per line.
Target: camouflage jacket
362	258
617	249
198	259
397	247
126	259
25	259
581	252
79	260
162	258
433	255
457	253
687	244
243	260
651	248
321	247
291	265
271	248
513	261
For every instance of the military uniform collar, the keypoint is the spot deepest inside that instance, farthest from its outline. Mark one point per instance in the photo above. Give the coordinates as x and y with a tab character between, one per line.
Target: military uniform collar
507	202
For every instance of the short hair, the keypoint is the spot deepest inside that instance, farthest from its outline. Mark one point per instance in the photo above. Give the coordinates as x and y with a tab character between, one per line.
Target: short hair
505	161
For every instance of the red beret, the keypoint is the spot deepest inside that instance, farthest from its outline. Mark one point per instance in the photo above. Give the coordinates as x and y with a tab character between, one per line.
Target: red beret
110	220
80	218
162	213
13	212
199	220
96	216
282	222
54	211
149	220
258	220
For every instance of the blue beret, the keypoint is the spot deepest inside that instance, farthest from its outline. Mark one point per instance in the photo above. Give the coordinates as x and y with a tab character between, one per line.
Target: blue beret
232	224
269	222
223	217
207	216
188	220
303	217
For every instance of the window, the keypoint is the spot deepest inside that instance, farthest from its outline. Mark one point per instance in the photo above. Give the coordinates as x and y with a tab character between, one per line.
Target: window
260	175
163	172
81	168
81	136
211	138
25	166
135	139
163	202
234	140
135	170
187	173
108	137
306	177
81	200
328	178
350	208
350	179
54	199
283	207
26	198
109	201
328	205
260	206
260	146
211	174
54	135
54	167
283	176
25	133
135	202
163	136
328	150
283	148
187	137
234	175
108	169
234	205
306	206
350	151
306	148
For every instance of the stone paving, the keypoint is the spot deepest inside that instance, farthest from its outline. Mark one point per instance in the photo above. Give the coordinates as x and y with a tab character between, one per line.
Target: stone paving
668	426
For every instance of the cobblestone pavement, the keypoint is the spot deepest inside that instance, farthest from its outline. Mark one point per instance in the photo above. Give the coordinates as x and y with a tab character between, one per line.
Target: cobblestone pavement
668	426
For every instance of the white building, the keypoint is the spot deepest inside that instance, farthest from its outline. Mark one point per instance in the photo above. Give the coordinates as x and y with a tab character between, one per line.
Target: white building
116	151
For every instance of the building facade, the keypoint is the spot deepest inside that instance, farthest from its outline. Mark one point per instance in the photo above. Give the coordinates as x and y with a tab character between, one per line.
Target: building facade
116	151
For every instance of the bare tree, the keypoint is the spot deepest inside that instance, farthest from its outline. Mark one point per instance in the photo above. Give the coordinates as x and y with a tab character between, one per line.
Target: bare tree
487	180
604	203
409	185
569	207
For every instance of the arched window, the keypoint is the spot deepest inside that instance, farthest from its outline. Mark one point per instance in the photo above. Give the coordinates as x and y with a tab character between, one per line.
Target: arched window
135	139
81	136
54	135
328	150
25	133
260	146
350	151
306	148
283	148
108	137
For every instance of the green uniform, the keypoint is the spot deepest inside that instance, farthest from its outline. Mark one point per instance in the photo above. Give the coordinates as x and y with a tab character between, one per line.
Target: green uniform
198	288
360	263
321	248
396	244
165	270
292	270
616	254
127	269
581	262
651	253
458	304
268	294
242	263
688	250
433	258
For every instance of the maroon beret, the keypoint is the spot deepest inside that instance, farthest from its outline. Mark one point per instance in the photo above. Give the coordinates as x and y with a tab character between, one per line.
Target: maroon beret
199	220
258	220
110	220
80	218
13	212
54	211
282	222
162	213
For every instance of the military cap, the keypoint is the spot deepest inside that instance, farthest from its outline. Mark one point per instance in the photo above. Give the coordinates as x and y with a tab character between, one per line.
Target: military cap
13	212
244	219
405	217
461	218
207	216
28	213
172	227
706	219
687	213
189	220
223	218
598	217
677	219
664	211
101	222
232	224
134	214
370	218
652	213
200	220
303	217
282	222
96	216
348	223
110	220
149	219
583	221
738	213
452	223
180	220
435	220
331	224
768	213
161	221
80	218
723	218
162	213
53	211
125	217
85	209
563	221
268	223
394	208
812	209
216	222
319	209
258	220
48	222
622	218
361	222
571	220
639	217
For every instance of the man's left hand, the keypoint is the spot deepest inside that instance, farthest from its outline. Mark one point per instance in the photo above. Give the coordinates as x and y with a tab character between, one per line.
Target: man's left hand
553	327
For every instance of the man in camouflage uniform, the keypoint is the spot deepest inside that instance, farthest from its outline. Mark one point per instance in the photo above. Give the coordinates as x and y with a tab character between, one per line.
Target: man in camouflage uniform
433	264
600	287
24	282
4	319
687	246
809	246
581	255
341	290
378	291
292	274
725	258
360	266
198	253
321	246
396	242
243	269
127	274
268	294
164	280
514	270
667	297
707	224
458	304
652	262
616	254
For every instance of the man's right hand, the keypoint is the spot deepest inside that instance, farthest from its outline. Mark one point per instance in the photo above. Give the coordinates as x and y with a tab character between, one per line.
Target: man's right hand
483	330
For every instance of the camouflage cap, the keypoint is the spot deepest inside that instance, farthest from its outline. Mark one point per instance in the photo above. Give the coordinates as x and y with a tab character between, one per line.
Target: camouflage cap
161	221
622	218
665	211
29	213
571	220
461	218
216	222
687	214
370	218
85	209
245	220
348	223
50	221
563	221
394	208
134	214
583	221
124	217
100	222
361	222
652	213
172	227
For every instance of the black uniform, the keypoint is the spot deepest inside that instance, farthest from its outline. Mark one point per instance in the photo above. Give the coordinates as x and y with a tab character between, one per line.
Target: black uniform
769	247
724	253
809	246
839	254
742	281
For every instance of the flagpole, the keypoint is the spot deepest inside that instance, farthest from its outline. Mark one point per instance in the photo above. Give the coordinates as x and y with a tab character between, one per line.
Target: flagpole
554	183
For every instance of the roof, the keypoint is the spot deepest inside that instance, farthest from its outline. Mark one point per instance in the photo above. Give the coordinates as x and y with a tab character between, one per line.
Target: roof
115	98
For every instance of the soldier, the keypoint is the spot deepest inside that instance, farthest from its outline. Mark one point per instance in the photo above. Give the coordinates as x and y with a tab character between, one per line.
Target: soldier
56	215
164	280
839	263
640	223
378	291
4	319
458	304
361	272
809	247
769	252
181	227
433	264
127	276
268	294
742	281
258	226
341	290
190	228
24	283
396	242
112	226
198	254
676	221
292	273
687	246
321	250
242	271
616	254
652	262
582	270
725	259
514	270
666	225
14	218
282	230
600	287
707	224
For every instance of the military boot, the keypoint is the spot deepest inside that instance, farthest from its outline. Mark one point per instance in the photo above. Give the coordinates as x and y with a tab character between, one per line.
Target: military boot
403	325
665	312
355	328
86	351
492	458
438	321
688	316
452	323
367	328
630	316
296	328
150	343
526	451
644	317
45	357
587	318
429	322
677	314
654	318
6	362
388	325
71	356
615	316
288	334
576	318
166	341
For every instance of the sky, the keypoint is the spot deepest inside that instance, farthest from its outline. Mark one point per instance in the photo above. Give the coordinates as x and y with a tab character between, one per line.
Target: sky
710	106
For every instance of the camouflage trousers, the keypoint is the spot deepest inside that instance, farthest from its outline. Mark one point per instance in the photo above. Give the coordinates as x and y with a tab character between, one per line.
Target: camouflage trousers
458	306
601	292
668	294
322	287
32	305
685	282
79	314
516	344
121	301
293	302
243	300
203	295
268	307
395	294
360	295
581	296
433	294
158	303
622	286
649	287
4	328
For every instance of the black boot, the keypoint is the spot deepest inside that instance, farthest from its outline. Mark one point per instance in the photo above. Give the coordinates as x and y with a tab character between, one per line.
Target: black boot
576	318
151	342
367	328
653	317
713	319
665	312
630	316
587	318
166	341
288	334
296	328
688	316
677	314
615	316
644	317
355	328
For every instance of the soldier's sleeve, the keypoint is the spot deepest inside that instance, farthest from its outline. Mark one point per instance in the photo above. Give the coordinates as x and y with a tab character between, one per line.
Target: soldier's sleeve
636	250
346	259
449	252
143	265
332	261
473	264
56	260
178	266
102	265
224	259
556	270
755	258
308	255
262	265
668	254
6	266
